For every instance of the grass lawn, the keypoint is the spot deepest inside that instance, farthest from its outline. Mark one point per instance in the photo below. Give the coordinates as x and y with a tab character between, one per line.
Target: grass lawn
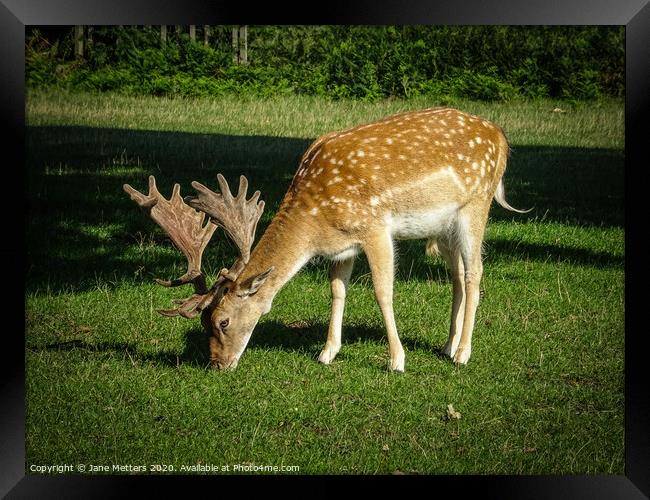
110	382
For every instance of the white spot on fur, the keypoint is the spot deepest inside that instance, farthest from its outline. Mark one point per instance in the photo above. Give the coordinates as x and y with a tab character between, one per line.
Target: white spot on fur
314	211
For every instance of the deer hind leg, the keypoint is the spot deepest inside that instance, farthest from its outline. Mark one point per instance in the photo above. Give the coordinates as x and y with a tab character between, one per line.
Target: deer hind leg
453	258
340	273
470	237
380	253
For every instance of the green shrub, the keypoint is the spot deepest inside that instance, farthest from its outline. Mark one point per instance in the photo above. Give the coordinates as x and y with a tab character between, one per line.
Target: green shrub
359	62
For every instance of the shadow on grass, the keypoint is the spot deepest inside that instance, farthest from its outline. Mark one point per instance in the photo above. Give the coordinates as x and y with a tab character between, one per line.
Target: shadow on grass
305	339
194	353
501	249
310	338
81	226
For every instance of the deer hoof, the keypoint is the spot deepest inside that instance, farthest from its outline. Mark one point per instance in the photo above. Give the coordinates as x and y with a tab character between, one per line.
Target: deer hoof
462	355
449	350
328	354
397	363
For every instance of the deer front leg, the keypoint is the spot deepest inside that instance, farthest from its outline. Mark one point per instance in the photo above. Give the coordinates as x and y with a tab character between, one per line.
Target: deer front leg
380	254
340	273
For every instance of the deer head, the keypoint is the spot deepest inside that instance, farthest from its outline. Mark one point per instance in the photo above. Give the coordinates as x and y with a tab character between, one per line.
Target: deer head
184	221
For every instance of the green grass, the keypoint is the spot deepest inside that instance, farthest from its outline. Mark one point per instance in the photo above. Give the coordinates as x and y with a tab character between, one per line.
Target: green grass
109	381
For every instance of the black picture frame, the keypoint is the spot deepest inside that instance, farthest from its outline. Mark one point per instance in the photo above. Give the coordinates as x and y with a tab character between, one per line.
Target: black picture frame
15	15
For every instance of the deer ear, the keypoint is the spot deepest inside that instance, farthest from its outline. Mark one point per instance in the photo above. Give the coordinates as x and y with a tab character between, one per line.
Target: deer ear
252	285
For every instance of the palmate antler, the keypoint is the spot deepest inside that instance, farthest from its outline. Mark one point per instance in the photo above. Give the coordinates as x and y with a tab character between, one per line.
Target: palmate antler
237	216
183	221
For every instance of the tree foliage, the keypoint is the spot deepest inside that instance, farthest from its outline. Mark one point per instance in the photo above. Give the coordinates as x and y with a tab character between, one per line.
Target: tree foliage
362	62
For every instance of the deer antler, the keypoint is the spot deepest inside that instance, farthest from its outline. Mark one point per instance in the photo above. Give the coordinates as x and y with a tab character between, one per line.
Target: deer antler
185	226
236	215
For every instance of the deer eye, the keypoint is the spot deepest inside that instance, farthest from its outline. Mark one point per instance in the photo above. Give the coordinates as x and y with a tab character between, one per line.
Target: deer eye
224	323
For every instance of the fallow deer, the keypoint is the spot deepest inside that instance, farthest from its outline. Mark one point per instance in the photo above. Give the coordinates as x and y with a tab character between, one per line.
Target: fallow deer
423	174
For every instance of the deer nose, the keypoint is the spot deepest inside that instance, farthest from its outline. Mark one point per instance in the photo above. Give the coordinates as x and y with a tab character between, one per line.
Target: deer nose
225	365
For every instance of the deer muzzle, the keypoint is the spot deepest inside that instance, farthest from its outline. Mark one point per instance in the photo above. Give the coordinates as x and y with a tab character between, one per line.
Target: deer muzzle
224	364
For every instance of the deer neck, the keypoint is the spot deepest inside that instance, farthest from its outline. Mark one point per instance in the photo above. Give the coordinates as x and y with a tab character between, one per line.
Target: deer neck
284	247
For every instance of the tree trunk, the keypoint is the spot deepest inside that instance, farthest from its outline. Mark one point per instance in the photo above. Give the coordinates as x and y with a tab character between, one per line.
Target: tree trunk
243	44
79	41
89	39
206	35
235	44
